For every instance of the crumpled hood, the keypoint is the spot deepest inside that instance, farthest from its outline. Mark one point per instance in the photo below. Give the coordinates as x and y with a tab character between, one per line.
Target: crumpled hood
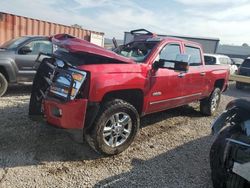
73	44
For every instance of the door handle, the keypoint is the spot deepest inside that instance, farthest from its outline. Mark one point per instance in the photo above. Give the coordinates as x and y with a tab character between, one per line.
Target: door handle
181	75
202	73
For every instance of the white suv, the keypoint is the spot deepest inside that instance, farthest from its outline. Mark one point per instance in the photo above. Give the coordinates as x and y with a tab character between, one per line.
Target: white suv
216	59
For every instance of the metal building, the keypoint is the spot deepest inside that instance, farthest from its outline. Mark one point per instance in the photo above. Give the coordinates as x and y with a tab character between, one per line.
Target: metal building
209	45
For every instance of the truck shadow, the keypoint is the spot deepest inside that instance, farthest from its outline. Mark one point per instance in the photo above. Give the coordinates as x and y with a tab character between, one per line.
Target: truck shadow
183	166
16	90
25	142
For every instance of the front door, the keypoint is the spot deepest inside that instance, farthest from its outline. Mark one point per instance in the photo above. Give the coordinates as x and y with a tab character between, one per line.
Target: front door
165	84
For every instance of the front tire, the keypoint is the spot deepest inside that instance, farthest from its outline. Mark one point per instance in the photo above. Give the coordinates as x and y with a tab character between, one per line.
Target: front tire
3	85
209	105
115	127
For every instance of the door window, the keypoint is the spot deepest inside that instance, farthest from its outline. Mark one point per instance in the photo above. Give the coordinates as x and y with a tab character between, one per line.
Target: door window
170	52
40	46
195	56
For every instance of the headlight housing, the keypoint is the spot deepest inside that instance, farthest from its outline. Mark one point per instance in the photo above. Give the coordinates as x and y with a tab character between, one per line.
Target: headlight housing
67	83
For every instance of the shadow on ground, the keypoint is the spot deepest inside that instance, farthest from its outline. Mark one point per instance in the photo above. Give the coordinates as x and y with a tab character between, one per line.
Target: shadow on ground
25	142
16	90
164	169
233	92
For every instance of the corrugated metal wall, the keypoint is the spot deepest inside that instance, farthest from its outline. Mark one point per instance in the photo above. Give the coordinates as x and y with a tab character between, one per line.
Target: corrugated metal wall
12	26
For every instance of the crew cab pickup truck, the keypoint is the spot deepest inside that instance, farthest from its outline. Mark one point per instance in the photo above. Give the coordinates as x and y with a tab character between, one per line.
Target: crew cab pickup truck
84	86
18	59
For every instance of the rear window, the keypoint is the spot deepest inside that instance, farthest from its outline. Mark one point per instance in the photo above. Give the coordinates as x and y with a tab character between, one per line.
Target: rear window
209	60
246	63
224	60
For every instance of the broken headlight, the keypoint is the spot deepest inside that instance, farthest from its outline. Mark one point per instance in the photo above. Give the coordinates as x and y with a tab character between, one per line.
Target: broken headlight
67	83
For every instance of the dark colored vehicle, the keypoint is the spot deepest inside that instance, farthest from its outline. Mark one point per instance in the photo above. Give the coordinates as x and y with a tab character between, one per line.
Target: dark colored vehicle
237	61
17	59
244	70
230	152
84	86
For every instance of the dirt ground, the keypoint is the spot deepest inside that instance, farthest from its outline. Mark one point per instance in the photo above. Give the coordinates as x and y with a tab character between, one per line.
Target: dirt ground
171	150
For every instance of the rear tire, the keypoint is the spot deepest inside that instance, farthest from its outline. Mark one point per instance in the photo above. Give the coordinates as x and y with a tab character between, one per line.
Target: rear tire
209	105
239	85
3	85
110	134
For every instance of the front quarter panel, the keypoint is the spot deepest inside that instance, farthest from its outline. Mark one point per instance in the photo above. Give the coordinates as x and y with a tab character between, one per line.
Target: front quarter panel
113	77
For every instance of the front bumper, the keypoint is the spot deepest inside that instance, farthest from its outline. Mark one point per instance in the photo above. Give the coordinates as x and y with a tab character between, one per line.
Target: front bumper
68	115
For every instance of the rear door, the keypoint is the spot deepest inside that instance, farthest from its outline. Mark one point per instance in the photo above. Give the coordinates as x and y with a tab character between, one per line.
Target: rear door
193	86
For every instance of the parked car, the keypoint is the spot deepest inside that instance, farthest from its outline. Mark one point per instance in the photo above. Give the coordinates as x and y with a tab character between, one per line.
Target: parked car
230	151
216	59
86	86
244	70
237	61
17	59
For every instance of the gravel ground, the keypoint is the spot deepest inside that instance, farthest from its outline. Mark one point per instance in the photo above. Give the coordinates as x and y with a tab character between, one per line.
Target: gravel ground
171	150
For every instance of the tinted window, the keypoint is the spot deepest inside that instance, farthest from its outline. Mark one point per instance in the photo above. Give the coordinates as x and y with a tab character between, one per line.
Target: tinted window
170	52
246	63
195	55
209	60
14	43
40	46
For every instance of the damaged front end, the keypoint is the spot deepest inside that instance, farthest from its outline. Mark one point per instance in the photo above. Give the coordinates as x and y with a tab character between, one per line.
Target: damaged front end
61	86
59	93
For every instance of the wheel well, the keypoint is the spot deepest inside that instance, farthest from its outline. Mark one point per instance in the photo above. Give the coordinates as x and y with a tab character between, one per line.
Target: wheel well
4	72
132	96
219	83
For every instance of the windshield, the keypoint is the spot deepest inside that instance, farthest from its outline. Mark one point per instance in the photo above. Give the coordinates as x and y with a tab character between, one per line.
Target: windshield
138	51
14	43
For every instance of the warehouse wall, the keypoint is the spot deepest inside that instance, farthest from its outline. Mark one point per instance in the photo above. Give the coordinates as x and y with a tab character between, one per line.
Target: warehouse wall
12	26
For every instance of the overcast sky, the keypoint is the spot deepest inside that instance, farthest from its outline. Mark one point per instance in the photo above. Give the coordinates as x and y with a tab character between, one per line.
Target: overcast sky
228	20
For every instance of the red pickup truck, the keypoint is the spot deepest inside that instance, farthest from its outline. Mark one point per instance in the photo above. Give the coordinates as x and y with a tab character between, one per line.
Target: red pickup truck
84	86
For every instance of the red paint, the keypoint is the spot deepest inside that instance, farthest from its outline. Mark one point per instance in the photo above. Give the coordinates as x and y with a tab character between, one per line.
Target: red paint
73	113
105	78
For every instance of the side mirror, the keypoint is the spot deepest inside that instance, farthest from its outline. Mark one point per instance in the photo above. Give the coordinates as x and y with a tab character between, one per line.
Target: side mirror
180	64
25	50
159	64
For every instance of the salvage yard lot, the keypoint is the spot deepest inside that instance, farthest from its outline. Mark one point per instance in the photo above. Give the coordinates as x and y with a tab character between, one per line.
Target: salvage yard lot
171	150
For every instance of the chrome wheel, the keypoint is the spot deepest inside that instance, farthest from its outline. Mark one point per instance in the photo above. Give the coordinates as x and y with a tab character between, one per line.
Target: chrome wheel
215	101
117	129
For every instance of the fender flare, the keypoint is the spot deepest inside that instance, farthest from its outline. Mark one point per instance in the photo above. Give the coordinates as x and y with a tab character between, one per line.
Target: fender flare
239	103
239	106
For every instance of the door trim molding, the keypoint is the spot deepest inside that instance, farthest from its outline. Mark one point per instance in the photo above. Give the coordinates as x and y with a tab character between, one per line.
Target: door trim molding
177	98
